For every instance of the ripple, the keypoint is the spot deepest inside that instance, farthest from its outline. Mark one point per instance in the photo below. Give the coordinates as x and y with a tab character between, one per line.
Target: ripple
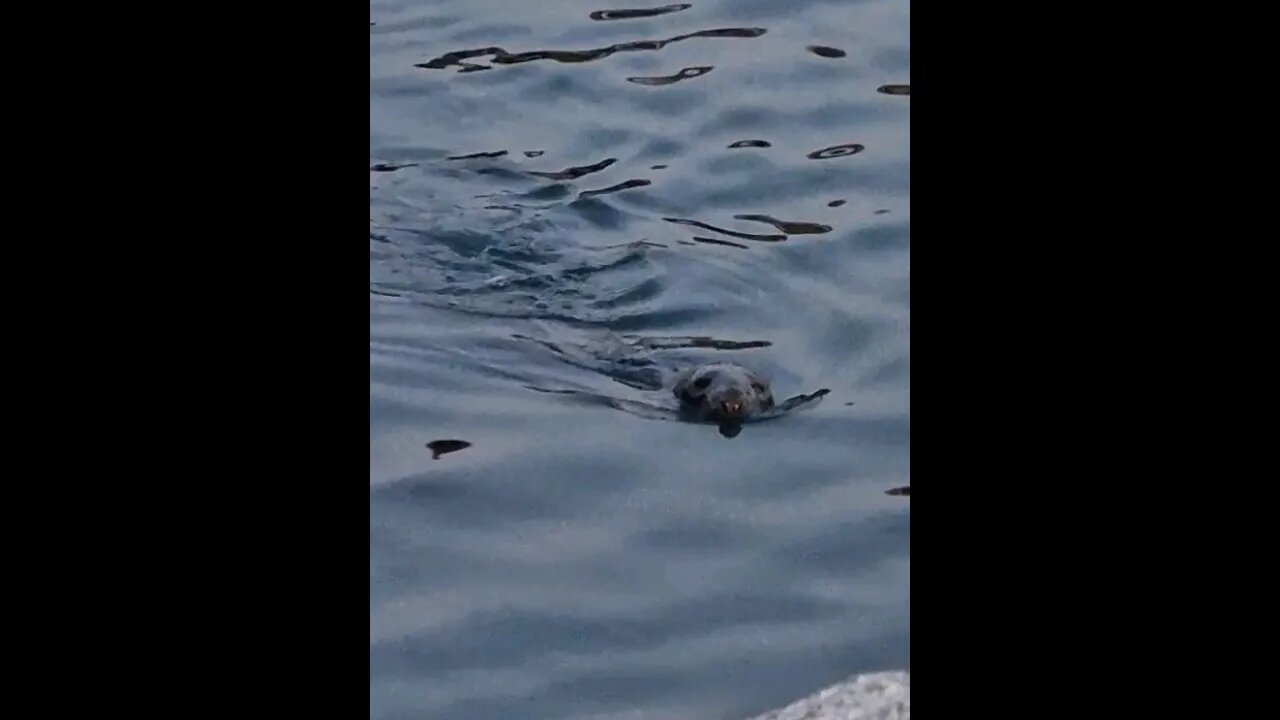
730	233
573	173
836	151
477	155
638	13
702	341
699	578
685	74
827	52
625	185
442	447
502	57
515	275
717	241
788	227
390	167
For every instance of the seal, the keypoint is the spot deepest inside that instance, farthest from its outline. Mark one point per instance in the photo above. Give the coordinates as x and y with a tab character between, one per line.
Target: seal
722	393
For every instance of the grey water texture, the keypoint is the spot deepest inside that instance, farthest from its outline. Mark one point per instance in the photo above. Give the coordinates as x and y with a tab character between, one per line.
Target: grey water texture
569	203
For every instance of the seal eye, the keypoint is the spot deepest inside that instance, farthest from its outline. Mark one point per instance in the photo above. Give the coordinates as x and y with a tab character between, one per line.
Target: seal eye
702	382
758	387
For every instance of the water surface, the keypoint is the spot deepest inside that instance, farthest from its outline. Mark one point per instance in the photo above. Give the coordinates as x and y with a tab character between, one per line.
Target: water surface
562	174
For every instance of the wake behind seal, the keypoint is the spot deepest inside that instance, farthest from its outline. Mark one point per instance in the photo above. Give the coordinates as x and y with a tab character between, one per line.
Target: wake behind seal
722	393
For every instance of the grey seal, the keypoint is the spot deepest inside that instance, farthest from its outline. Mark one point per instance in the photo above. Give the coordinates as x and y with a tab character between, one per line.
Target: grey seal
723	393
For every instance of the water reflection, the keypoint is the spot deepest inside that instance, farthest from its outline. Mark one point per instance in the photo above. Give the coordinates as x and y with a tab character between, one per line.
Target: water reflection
685	74
390	167
894	89
789	227
638	13
502	57
717	241
827	52
442	447
473	156
625	185
573	173
590	219
836	151
731	233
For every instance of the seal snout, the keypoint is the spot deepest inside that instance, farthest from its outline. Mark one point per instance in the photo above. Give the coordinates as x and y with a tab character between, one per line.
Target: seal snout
732	405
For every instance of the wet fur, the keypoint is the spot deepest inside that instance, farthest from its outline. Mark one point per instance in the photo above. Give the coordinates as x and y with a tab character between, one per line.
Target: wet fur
723	393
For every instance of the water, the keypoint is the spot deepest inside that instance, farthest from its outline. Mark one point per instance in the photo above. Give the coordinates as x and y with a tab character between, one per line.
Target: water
576	560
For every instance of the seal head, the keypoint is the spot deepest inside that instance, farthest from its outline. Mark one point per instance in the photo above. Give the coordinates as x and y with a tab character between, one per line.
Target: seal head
723	393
